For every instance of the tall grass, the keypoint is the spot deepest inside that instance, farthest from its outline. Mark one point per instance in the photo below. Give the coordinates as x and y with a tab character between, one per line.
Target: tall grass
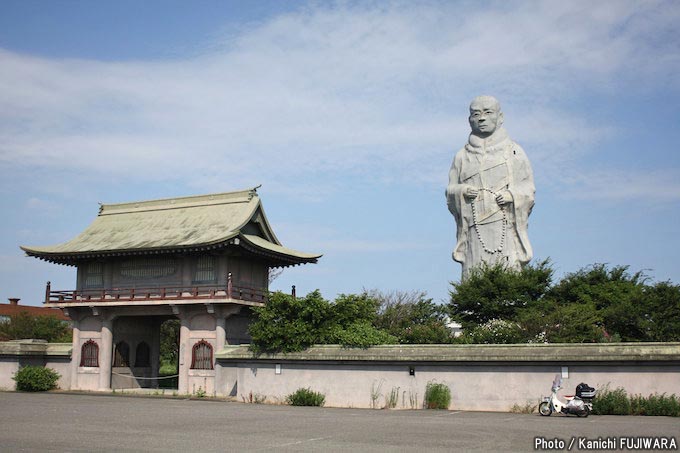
437	396
611	402
618	402
655	405
392	399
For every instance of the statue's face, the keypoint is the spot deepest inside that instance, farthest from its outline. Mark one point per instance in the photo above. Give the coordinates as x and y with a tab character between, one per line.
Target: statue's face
485	116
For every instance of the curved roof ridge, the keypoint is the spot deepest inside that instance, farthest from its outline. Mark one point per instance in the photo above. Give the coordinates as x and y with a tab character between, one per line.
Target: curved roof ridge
240	196
172	224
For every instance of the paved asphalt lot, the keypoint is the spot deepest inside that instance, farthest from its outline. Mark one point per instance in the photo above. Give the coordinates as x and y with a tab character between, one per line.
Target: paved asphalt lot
70	422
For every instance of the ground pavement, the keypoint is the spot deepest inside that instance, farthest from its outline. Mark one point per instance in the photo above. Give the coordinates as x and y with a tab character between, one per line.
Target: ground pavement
72	422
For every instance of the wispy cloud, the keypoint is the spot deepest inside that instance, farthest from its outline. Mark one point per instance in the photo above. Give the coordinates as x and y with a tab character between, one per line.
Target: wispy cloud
377	90
656	187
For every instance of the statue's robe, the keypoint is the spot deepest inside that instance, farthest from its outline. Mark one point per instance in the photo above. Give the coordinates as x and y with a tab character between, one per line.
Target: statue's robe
499	235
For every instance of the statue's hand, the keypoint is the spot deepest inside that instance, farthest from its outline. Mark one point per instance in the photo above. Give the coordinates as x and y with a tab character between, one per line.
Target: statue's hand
470	193
504	197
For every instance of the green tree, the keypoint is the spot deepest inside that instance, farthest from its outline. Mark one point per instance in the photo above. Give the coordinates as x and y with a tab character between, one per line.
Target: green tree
360	334
351	319
347	309
434	332
25	326
169	346
495	292
412	318
288	324
496	331
660	312
596	303
574	323
610	300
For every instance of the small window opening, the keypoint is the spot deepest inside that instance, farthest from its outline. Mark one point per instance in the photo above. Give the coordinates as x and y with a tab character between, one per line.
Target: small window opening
202	356
205	269
94	275
89	354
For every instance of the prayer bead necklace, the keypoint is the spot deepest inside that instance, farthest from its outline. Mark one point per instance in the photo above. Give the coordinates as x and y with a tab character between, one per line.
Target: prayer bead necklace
504	226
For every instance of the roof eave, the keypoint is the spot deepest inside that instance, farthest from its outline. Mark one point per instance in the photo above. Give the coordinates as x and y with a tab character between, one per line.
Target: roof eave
71	259
277	259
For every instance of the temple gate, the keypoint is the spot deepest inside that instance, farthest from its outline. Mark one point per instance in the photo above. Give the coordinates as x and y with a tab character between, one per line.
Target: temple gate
204	260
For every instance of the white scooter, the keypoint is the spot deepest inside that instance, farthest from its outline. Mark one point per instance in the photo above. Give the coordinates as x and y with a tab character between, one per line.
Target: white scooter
580	405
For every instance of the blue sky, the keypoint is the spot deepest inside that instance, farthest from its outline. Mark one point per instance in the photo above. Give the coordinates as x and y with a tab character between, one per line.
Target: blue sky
348	114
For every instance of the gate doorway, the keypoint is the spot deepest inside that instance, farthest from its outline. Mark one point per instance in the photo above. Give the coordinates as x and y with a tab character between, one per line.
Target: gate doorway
169	354
145	352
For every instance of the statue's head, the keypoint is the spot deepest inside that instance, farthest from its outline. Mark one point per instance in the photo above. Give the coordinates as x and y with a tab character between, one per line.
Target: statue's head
485	115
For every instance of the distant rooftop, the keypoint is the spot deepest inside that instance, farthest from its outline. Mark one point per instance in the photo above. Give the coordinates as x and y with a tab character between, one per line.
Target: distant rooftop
14	308
175	225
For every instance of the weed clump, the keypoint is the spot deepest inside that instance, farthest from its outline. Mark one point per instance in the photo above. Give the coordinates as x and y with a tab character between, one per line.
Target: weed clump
611	402
306	397
527	408
618	402
437	396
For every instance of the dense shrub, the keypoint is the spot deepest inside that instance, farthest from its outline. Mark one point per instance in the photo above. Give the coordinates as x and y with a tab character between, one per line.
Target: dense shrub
36	379
655	405
361	335
617	402
611	402
306	397
290	324
437	396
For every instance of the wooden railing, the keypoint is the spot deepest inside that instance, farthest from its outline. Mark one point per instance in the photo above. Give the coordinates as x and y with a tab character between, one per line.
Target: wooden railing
161	293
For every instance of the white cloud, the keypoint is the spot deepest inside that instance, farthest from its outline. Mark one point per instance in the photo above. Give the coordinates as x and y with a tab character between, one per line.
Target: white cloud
37	203
656	187
375	90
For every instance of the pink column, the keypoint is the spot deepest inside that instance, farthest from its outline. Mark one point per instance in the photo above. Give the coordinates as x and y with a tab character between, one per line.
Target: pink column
105	354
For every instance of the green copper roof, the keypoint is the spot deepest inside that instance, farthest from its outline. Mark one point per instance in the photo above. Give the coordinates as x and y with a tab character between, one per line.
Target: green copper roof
174	225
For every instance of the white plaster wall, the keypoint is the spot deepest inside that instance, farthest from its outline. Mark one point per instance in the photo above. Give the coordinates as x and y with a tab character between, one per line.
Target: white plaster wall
88	379
202	380
226	379
63	367
8	367
473	387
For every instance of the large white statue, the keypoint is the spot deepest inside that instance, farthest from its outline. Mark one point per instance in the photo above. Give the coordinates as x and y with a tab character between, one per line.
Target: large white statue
490	193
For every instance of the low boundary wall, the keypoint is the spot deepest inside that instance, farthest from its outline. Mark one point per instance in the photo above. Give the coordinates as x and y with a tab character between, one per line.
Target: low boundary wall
18	353
481	377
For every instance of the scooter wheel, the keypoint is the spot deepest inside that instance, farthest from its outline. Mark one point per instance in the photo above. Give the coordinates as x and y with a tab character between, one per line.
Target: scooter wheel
585	413
544	409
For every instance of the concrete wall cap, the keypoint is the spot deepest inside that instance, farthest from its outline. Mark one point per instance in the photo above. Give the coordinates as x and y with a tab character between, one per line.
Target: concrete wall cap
34	347
596	352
